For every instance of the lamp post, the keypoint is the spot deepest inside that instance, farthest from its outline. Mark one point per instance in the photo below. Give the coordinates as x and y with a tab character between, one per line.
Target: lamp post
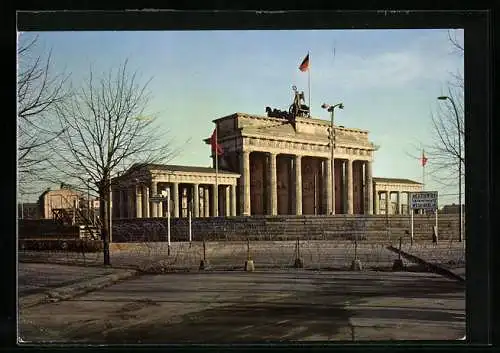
459	166
331	109
88	199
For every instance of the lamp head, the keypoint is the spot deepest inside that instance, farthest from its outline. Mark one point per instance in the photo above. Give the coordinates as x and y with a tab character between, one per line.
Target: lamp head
341	105
442	98
325	106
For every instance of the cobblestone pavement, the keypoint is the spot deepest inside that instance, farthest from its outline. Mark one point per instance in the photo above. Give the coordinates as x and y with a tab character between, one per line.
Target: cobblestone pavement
226	307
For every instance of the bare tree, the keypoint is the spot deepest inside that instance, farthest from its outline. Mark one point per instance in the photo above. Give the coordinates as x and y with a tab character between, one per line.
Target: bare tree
104	126
447	148
39	90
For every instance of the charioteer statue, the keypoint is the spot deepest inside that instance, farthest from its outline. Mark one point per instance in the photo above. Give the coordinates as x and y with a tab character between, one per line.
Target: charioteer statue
297	108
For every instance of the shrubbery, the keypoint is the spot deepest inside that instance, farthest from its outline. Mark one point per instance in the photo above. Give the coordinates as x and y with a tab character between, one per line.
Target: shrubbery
70	245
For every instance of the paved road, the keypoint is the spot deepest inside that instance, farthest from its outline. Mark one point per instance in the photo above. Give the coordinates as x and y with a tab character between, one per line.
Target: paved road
37	278
225	307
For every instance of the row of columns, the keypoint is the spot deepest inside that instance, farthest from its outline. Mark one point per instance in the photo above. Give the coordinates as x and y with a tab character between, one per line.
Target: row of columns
143	208
330	196
388	201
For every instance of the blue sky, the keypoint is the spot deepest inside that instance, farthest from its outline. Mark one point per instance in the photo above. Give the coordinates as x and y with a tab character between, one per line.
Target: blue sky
387	79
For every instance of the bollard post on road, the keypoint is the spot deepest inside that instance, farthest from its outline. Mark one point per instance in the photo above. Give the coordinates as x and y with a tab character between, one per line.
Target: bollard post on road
298	261
249	265
356	263
398	263
203	262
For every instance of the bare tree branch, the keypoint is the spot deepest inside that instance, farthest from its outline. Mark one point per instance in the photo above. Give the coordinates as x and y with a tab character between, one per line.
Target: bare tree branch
101	130
39	91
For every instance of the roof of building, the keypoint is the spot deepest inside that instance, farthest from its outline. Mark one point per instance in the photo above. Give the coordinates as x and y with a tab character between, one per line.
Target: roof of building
396	180
301	119
186	168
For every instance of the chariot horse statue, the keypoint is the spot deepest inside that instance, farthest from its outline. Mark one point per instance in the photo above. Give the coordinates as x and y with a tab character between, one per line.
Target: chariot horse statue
298	108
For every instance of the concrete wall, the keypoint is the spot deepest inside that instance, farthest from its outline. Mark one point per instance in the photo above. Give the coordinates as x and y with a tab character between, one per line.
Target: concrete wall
45	228
376	228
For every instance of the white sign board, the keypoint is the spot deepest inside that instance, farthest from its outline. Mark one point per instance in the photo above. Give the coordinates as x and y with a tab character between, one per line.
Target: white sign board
424	200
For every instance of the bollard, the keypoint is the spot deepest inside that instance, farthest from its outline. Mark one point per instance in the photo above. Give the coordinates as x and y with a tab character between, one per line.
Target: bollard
434	235
398	263
356	263
249	265
203	262
298	261
248	249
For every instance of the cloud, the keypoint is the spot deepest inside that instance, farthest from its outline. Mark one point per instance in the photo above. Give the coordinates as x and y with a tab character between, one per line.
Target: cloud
427	59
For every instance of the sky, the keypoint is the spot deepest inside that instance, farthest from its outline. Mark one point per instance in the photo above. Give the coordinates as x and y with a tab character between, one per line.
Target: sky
388	81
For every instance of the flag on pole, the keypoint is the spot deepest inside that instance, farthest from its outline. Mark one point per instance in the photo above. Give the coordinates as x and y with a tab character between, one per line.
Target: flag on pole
215	145
423	160
304	66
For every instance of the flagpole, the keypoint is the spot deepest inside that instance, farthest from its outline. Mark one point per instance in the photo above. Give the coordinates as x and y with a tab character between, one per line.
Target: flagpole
423	170
309	82
216	210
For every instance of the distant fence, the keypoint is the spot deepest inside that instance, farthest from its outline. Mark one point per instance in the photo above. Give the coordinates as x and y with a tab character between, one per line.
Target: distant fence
231	255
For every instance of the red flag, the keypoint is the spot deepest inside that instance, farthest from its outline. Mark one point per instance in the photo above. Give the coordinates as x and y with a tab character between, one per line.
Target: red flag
424	159
305	64
216	146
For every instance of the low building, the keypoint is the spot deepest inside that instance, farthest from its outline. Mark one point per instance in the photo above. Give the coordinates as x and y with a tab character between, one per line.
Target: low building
51	201
136	193
392	195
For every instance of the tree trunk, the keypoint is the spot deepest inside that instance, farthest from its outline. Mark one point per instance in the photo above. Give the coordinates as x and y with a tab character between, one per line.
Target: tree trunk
104	215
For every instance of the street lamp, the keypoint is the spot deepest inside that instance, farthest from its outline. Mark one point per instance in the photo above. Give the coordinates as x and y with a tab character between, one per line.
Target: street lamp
331	109
88	199
459	166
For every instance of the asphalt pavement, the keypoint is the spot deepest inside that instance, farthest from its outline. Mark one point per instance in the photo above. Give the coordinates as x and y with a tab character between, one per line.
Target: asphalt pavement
34	278
233	307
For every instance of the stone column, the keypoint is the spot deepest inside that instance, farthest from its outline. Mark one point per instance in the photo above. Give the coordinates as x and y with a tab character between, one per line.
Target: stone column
273	184
160	204
369	187
121	205
131	194
227	199
154	205
215	201
387	202
398	202
138	201
350	193
233	200
196	201
206	204
174	187
298	185
377	202
145	202
328	187
245	183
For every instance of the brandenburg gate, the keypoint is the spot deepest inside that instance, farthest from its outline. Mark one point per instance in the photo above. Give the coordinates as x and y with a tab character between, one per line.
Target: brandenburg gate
285	166
279	164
